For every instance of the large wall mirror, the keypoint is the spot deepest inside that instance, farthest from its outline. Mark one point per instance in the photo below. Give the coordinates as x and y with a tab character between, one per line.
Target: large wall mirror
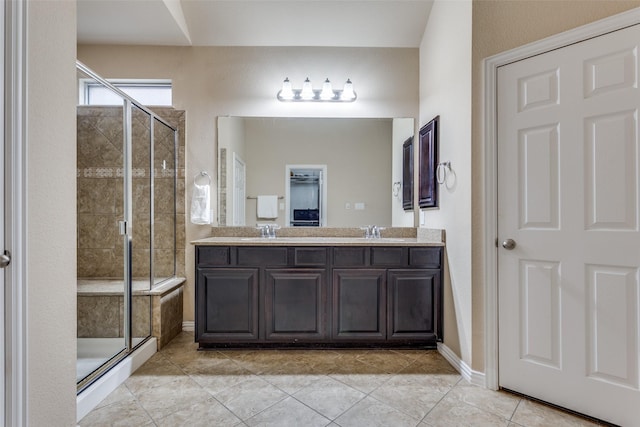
360	160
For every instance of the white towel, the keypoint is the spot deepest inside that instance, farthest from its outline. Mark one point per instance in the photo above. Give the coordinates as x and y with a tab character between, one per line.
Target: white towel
201	205
267	207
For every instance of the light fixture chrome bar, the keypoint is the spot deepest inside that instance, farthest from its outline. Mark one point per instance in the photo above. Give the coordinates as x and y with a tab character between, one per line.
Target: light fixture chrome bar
308	94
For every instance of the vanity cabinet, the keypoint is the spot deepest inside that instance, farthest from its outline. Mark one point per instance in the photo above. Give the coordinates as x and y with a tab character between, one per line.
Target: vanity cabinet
412	296
359	304
295	304
321	296
228	303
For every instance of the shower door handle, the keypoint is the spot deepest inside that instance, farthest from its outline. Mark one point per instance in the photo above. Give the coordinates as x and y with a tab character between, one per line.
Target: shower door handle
5	259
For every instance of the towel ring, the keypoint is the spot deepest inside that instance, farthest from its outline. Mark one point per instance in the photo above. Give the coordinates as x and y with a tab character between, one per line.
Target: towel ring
442	171
202	173
396	188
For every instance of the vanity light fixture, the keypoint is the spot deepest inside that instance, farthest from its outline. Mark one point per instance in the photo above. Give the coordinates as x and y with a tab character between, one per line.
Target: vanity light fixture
308	94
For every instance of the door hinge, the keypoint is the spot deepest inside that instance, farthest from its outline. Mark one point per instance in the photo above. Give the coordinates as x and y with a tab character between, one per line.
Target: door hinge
5	259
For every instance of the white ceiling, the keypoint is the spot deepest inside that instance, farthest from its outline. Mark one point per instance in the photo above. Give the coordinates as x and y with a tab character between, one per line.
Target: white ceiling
342	23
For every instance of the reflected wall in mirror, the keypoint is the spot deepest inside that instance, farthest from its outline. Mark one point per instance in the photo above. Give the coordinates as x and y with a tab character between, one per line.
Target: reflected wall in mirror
363	157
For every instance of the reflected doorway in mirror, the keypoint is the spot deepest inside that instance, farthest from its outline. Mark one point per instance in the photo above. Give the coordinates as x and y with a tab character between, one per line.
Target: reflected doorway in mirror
306	195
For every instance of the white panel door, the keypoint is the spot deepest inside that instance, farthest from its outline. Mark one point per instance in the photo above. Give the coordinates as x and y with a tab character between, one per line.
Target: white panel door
568	198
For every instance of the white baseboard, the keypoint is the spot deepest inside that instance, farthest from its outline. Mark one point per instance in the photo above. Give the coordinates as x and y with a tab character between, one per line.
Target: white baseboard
96	392
474	377
188	326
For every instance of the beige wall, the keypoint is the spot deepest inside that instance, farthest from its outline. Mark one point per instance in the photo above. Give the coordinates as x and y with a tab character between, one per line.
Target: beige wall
357	154
499	26
218	81
50	218
445	90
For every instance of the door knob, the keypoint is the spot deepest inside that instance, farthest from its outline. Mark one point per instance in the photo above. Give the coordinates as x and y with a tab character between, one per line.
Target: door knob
5	259
509	244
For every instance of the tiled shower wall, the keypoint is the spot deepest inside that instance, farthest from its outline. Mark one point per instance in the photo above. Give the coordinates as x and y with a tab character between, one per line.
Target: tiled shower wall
100	193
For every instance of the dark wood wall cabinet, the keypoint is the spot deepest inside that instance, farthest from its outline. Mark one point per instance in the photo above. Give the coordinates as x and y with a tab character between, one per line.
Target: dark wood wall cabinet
407	175
342	296
428	162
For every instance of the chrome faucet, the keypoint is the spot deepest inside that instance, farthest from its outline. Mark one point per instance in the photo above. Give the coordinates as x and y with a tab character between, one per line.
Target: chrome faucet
268	231
272	230
372	231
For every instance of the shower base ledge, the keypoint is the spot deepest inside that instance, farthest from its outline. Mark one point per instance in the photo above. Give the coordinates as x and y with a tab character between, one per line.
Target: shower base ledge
91	397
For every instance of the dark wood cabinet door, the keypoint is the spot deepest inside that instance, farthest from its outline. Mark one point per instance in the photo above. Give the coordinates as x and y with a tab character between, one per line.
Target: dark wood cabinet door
359	304
407	175
428	161
227	304
413	301
295	304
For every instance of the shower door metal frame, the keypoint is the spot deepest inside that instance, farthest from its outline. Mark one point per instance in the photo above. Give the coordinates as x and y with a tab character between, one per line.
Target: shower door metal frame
127	225
125	228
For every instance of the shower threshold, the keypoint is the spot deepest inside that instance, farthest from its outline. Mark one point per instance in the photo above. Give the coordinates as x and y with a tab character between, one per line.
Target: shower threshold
95	352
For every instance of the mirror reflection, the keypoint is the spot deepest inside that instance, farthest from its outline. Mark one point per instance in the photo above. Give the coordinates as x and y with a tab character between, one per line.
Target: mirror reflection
336	172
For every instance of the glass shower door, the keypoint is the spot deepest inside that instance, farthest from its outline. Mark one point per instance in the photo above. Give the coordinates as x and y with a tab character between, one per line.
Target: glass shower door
126	159
101	193
142	225
164	189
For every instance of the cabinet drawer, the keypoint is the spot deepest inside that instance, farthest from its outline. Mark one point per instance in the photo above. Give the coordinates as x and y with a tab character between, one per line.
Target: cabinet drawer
212	255
252	256
349	257
425	257
390	256
310	256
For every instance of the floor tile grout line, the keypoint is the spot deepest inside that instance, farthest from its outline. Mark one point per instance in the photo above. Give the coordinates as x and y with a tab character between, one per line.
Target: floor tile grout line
313	409
190	376
399	410
508	420
257	413
230	410
343	412
438	402
515	410
391	375
140	404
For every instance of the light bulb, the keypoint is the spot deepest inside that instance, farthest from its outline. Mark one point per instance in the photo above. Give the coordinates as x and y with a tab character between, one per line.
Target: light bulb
286	93
327	91
348	94
307	90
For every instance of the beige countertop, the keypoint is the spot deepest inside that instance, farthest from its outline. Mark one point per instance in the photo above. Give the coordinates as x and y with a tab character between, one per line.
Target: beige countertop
314	241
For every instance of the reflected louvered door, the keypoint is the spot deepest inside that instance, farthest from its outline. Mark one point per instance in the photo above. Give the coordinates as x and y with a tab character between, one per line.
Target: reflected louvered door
568	198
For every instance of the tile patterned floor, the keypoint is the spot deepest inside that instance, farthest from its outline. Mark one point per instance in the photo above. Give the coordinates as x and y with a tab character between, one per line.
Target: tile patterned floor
180	386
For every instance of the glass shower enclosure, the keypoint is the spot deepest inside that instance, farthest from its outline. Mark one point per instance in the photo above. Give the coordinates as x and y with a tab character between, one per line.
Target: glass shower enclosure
126	212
